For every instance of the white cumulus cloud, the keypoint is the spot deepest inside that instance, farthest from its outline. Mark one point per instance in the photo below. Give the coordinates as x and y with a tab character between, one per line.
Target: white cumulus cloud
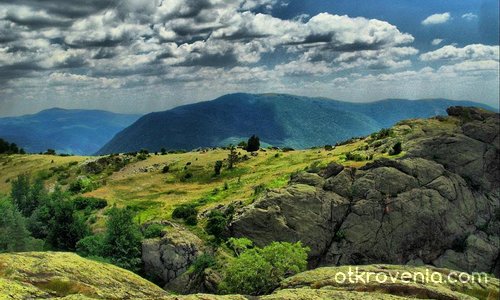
437	19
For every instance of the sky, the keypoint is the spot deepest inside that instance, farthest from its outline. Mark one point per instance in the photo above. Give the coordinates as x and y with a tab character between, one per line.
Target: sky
139	56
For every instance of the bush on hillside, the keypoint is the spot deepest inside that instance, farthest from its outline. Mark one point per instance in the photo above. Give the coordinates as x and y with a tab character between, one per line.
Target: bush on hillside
203	262
82	185
165	169
216	224
259	271
217	167
188	213
355	156
153	231
82	203
396	149
91	246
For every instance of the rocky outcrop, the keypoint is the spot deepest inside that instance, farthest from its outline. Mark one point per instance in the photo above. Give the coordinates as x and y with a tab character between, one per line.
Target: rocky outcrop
437	205
167	258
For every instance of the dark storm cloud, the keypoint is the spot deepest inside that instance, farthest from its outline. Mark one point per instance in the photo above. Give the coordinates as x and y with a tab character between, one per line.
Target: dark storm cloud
211	60
35	22
67	8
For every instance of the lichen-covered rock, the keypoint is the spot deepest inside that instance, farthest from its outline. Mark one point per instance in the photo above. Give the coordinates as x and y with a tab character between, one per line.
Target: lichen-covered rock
386	282
169	257
44	275
49	275
437	205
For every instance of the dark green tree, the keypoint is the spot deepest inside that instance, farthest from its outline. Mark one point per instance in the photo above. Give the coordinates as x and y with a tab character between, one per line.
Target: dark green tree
14	236
396	149
253	144
122	241
66	226
232	157
216	224
25	196
217	167
50	152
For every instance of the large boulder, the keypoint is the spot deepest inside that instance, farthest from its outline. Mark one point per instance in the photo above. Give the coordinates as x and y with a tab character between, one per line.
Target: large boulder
167	258
437	205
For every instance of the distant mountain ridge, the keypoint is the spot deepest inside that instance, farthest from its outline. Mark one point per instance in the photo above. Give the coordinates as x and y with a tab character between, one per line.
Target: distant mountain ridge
278	119
73	131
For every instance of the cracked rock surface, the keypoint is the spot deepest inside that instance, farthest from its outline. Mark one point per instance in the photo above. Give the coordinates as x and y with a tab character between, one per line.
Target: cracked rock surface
169	257
438	205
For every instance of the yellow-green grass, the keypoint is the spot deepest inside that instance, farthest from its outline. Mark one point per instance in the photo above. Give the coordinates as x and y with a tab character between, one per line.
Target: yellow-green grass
155	194
13	165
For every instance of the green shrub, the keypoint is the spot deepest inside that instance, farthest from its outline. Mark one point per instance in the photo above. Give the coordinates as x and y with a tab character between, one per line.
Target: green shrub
191	220
92	245
82	185
216	224
82	203
217	167
239	245
203	262
259	271
355	156
184	211
383	133
396	149
153	231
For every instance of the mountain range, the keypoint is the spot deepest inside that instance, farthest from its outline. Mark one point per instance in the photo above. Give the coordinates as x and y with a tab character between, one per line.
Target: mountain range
73	131
278	119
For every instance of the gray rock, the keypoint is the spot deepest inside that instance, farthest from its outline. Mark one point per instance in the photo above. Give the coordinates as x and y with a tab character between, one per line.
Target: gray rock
416	209
307	178
169	257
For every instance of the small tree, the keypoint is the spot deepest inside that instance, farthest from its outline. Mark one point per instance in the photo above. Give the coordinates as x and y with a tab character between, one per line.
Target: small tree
27	197
163	151
217	167
65	227
253	144
232	157
122	241
50	152
13	233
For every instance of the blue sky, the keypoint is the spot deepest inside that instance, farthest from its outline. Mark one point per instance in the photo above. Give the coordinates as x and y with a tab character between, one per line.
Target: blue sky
151	55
